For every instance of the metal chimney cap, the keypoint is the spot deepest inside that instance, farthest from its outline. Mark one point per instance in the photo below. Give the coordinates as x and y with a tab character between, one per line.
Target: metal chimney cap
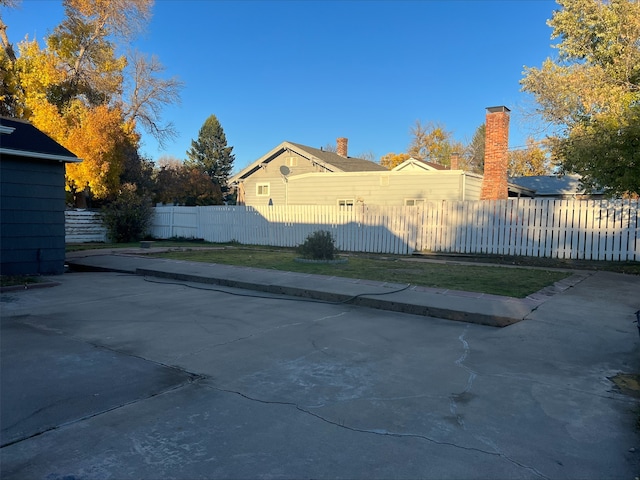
501	108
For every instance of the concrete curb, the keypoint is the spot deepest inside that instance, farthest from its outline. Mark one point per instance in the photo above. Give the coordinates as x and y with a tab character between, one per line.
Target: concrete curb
28	286
393	300
469	307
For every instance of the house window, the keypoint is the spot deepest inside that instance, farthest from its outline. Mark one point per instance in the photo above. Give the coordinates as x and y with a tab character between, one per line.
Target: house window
262	189
345	203
292	162
413	202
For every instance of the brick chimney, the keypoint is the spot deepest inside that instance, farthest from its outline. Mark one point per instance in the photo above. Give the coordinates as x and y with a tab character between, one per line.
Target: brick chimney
341	146
496	160
455	161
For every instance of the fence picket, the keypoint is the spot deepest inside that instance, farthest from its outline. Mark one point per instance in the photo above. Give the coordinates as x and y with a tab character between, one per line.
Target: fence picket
545	228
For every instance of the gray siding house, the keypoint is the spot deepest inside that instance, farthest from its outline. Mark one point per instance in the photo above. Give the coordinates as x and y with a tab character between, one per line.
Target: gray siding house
266	181
32	200
294	174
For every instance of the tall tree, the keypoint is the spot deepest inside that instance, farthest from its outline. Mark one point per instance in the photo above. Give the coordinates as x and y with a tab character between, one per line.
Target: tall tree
592	92
177	183
9	86
74	89
210	153
149	94
475	149
392	160
529	161
431	142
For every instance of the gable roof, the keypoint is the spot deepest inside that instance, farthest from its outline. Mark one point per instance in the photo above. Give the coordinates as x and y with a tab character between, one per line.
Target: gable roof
330	161
20	138
414	163
547	185
341	164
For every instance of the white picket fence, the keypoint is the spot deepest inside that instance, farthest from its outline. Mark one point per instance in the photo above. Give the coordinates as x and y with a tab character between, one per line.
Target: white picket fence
83	226
576	229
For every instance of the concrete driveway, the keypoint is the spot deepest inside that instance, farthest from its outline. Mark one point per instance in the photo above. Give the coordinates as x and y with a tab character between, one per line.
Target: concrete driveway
111	376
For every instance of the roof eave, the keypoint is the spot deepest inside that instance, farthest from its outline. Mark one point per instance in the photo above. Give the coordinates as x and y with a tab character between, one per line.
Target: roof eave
40	155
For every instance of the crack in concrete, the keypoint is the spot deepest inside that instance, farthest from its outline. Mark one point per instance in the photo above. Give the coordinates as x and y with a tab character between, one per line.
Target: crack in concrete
255	334
385	433
192	379
453	398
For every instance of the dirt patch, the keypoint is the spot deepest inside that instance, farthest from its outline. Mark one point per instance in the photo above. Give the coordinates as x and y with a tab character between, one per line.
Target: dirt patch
627	383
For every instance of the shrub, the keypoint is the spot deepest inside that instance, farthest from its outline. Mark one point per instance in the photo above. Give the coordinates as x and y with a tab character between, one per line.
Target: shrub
128	217
318	246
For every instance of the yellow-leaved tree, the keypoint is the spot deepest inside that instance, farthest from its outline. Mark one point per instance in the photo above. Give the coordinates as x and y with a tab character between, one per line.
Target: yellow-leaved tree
591	92
392	160
83	93
529	161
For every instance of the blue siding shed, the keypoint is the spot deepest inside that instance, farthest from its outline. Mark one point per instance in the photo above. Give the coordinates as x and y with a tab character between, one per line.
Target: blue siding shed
32	200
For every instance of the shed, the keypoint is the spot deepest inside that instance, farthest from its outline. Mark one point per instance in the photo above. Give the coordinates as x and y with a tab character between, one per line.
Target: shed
557	186
32	200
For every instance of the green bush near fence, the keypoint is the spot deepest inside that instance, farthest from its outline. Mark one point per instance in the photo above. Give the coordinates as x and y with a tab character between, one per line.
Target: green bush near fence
319	245
128	218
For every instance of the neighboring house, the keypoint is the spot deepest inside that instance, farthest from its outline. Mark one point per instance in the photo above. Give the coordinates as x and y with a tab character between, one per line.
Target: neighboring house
266	181
294	174
556	186
32	200
411	164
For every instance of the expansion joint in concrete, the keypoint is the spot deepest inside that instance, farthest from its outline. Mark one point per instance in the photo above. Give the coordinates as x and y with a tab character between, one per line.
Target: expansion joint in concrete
381	432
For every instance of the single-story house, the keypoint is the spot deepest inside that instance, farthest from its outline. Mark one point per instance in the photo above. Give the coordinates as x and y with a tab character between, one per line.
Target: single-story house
294	174
556	186
32	200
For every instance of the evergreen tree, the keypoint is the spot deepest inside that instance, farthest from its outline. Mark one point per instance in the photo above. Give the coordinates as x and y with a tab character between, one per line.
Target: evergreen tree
210	154
476	149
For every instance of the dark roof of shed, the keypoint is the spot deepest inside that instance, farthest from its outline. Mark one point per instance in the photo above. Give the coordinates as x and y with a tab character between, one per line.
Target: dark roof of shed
345	164
552	184
26	140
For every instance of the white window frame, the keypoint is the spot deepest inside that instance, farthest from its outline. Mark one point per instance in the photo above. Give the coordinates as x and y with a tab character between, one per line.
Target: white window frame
260	187
414	202
346	202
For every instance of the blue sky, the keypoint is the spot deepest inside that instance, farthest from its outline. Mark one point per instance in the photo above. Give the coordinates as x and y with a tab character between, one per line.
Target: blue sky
312	71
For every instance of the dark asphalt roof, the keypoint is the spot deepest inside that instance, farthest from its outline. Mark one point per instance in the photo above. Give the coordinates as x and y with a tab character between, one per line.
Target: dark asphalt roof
551	184
27	139
348	164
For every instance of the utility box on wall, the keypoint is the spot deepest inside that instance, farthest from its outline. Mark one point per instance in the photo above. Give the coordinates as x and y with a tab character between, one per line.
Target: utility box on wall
32	200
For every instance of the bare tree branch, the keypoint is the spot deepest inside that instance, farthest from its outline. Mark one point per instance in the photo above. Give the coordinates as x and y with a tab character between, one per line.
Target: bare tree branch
149	94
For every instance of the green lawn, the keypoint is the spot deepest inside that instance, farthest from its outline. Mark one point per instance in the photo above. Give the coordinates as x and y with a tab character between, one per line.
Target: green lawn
513	282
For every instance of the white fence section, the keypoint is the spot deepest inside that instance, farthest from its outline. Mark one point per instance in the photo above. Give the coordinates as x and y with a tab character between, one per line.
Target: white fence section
587	229
82	226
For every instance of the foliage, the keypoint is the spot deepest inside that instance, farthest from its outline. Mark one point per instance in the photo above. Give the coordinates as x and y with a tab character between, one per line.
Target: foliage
74	90
330	147
128	217
98	137
612	146
319	245
475	150
14	280
593	91
177	183
210	154
532	160
392	160
432	143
